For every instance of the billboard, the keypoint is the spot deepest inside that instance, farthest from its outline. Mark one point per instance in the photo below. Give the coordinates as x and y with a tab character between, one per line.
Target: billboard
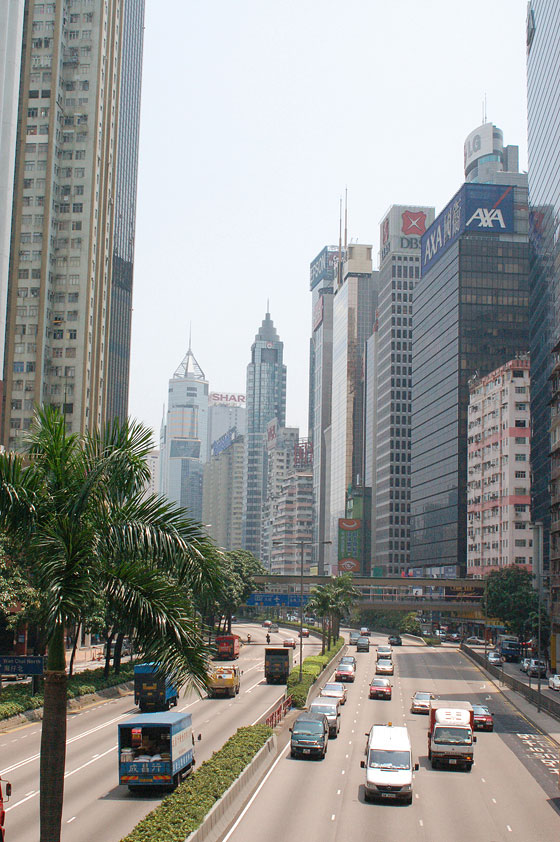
324	267
271	433
349	544
402	228
224	441
318	313
476	208
226	399
478	143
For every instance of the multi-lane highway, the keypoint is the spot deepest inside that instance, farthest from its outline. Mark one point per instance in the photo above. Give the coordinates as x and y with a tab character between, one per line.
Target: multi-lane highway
511	794
95	806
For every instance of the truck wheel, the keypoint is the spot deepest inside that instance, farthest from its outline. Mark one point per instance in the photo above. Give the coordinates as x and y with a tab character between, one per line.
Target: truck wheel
237	689
468	766
434	763
409	800
176	780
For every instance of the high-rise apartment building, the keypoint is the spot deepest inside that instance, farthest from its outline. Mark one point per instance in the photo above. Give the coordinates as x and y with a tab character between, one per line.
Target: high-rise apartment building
323	276
152	460
281	443
11	33
543	107
499	532
125	210
222	494
63	218
399	270
470	316
354	305
184	437
266	399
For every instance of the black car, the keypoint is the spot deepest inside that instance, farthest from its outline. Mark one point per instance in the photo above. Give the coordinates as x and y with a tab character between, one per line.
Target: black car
395	640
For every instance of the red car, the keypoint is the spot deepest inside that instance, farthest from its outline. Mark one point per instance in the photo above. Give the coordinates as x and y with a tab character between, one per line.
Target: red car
304	633
345	672
483	719
380	688
289	641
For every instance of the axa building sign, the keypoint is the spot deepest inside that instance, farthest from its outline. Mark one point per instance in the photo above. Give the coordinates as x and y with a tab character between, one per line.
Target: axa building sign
475	208
402	228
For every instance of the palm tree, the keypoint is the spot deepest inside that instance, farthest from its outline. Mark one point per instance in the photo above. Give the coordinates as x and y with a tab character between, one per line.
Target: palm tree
74	509
319	604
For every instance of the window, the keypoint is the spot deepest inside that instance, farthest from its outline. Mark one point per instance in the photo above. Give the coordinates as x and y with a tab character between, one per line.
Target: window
69	371
72	334
78	207
18	366
521	457
520	474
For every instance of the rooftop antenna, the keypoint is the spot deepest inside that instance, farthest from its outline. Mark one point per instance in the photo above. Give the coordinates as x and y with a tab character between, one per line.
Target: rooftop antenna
484	116
190	332
268	306
340	242
345	219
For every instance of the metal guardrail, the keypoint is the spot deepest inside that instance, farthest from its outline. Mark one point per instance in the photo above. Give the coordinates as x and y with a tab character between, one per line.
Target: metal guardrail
547	704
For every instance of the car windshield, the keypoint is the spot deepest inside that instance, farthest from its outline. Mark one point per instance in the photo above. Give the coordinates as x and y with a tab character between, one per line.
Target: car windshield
480	710
452	736
379	759
334	686
383	663
328	710
380	682
422	697
310	728
345	667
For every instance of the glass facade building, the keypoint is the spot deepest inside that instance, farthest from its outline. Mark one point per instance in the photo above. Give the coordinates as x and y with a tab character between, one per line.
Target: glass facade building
266	400
543	103
470	317
118	363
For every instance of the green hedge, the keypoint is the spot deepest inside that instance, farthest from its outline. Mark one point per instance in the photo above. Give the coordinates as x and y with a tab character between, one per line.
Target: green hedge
311	668
431	641
17	698
184	810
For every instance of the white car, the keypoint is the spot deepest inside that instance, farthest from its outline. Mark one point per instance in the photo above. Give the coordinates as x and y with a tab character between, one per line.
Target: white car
554	682
335	690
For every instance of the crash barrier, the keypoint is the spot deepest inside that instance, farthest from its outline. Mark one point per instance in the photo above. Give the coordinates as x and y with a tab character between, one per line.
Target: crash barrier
224	811
547	704
273	717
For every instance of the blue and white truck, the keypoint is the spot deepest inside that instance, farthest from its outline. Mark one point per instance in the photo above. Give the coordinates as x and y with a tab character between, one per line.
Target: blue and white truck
155	749
153	691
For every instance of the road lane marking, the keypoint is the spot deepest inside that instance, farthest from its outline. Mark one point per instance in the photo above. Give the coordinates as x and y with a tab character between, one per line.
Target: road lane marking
332	818
420	822
280	757
71	820
338	792
483	780
23	800
494	800
508	828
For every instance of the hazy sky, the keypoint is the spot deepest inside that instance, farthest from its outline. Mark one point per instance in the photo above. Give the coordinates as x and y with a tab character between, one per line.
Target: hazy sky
256	114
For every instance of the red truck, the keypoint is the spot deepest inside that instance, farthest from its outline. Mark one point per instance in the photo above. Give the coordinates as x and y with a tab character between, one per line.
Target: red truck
228	647
5	791
450	734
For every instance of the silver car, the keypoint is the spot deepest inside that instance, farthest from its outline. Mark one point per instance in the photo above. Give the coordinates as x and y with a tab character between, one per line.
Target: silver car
331	709
335	690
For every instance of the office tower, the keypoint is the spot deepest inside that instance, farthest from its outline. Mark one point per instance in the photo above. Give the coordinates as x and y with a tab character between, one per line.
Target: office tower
184	437
470	317
63	217
354	304
543	106
399	270
291	524
11	31
222	495
226	411
499	530
323	275
125	210
485	155
152	485
281	443
266	399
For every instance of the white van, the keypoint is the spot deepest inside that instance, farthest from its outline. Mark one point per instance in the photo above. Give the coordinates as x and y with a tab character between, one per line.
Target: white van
388	764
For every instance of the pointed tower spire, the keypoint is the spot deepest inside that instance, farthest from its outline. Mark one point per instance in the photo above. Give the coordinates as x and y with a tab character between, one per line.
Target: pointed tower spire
189	366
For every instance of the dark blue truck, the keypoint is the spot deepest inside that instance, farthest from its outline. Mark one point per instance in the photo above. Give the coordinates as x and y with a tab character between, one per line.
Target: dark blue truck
155	750
153	691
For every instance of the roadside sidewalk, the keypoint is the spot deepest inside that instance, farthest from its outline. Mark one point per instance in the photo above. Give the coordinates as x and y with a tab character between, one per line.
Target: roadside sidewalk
545	723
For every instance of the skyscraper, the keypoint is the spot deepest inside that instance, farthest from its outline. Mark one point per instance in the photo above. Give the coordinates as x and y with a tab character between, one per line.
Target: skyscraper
399	270
184	437
323	275
543	107
61	268
125	210
470	316
222	493
11	31
354	305
266	399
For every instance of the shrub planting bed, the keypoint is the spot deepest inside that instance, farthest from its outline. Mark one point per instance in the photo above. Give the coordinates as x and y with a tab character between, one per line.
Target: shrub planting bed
185	809
311	668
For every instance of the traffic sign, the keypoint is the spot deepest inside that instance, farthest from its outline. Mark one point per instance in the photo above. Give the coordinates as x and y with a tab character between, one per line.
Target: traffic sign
291	600
21	664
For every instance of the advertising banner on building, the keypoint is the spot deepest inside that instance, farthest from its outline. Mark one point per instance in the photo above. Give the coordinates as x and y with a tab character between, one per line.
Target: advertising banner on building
324	266
401	230
226	399
477	208
224	441
479	143
349	545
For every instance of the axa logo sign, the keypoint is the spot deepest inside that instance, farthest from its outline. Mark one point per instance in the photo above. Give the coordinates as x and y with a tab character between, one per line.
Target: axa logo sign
487	218
413	222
